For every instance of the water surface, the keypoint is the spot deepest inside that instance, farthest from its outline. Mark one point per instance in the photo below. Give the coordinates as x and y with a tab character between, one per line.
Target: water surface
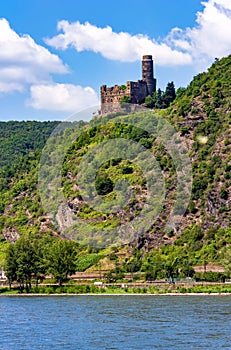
115	322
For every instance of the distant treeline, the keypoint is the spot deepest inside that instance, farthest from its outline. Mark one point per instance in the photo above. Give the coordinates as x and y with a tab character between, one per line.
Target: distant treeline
17	139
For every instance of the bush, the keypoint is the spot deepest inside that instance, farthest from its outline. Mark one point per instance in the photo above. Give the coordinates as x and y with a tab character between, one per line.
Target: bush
210	276
103	185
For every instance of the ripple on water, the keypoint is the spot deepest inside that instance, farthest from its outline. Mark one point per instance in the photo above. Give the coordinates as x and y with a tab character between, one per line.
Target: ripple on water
115	322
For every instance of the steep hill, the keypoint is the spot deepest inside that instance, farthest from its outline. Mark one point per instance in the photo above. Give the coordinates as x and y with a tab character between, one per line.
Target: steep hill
202	115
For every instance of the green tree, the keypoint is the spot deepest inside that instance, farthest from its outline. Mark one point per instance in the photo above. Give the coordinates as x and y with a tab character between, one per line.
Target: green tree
61	257
226	262
151	274
170	94
25	261
11	264
40	260
180	91
159	99
21	261
187	270
125	99
149	102
171	270
154	265
103	184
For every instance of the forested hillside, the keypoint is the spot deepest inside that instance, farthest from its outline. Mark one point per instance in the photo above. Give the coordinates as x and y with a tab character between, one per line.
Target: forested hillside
202	115
19	138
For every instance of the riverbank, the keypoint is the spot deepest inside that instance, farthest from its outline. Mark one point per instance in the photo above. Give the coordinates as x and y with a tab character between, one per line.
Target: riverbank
113	294
86	289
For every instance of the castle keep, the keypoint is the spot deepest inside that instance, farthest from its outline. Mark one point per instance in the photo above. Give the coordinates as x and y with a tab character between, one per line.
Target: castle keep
133	92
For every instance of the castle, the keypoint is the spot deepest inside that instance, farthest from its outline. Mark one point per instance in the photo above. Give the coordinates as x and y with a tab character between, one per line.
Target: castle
133	92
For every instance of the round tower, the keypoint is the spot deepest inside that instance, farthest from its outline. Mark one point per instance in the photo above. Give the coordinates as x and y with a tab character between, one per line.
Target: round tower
147	74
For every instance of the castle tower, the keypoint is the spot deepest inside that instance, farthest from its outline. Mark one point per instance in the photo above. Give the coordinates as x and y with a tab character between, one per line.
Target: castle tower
147	73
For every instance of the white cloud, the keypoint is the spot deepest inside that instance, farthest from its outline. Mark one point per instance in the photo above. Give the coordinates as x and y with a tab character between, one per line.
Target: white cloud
117	46
209	38
23	62
62	97
212	36
199	45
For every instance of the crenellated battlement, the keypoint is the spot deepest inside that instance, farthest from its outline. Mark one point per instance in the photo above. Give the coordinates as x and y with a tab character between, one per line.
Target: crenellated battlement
133	92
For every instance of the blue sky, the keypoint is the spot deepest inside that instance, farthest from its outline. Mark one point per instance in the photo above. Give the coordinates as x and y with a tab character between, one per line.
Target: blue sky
54	55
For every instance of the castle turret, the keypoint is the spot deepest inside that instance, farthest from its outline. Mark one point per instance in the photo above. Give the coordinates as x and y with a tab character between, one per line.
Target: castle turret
147	74
113	98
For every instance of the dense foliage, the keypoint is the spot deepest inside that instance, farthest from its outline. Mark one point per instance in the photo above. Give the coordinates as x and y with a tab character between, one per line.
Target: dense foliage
32	258
161	99
201	114
19	138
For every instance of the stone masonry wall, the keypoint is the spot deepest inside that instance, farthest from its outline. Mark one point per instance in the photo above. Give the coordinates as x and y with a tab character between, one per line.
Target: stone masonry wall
111	97
136	92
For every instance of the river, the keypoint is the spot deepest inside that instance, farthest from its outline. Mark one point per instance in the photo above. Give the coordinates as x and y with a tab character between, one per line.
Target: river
115	322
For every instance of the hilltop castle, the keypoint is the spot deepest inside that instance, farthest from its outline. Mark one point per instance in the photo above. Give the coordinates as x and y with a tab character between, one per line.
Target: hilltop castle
133	92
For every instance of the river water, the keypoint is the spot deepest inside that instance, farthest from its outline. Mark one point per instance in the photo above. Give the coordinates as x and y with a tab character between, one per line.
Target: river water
115	322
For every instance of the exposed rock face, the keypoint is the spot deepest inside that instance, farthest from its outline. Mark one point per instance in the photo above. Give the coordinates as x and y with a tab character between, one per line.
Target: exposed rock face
11	234
64	217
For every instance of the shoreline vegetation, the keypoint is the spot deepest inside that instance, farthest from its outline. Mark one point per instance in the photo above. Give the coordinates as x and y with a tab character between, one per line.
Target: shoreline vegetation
114	294
123	289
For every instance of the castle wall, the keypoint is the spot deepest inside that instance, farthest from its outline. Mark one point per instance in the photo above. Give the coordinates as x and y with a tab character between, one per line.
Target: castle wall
111	97
136	92
113	94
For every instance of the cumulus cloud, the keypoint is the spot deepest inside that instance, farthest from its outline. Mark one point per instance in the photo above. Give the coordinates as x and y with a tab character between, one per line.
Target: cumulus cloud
209	38
117	46
62	97
23	62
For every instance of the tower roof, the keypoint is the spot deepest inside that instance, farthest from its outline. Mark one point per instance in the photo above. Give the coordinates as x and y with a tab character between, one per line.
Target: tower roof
147	57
